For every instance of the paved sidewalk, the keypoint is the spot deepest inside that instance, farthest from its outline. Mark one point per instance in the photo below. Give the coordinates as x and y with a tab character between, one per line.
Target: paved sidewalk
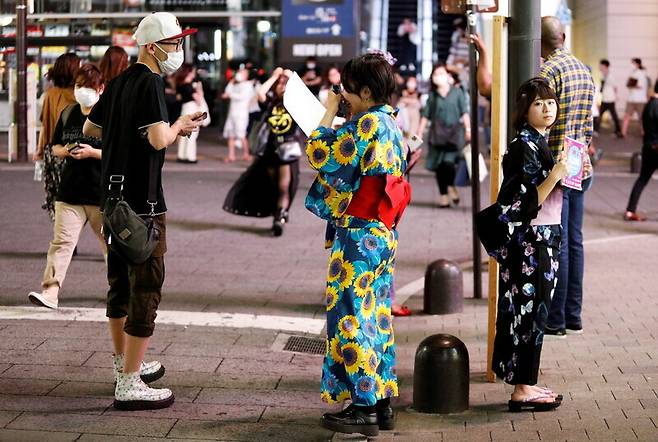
235	384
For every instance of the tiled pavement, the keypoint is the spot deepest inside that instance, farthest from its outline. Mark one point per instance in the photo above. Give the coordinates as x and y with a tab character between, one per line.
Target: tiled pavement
55	376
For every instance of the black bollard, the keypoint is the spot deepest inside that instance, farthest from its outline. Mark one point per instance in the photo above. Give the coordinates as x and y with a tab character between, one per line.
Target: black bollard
441	375
444	288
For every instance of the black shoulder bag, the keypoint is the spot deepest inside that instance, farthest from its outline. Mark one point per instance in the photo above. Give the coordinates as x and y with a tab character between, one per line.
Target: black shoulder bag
129	235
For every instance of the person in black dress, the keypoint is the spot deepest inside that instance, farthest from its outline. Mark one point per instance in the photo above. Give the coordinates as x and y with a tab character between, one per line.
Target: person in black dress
268	186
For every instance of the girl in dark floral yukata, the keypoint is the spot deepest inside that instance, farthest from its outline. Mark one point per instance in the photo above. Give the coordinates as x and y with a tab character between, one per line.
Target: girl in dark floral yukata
530	204
361	192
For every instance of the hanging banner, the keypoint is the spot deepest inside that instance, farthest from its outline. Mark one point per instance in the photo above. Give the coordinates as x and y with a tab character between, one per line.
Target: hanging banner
325	29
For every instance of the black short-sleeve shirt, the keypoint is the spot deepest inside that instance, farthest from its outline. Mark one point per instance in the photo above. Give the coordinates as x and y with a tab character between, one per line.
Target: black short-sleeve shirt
81	179
131	103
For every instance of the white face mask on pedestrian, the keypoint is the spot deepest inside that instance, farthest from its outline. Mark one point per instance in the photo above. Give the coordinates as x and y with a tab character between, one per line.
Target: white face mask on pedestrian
173	62
86	96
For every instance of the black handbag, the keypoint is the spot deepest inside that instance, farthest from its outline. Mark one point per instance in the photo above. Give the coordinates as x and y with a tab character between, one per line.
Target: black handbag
129	235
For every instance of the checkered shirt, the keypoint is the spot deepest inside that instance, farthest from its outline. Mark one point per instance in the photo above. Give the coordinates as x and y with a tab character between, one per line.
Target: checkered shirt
573	84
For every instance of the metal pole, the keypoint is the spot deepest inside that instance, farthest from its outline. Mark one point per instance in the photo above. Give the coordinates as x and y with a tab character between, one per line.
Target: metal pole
21	80
524	47
475	151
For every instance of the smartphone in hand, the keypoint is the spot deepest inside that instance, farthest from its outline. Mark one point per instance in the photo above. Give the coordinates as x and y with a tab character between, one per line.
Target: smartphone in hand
202	117
414	142
73	147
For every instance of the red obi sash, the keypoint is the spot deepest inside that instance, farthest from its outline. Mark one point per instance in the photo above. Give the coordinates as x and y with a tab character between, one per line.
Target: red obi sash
382	197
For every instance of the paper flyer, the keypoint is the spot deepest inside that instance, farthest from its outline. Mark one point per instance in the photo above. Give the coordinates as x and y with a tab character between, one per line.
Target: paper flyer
304	107
575	152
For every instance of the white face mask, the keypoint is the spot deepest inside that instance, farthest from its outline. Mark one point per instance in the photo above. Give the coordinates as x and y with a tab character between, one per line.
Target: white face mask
86	96
239	77
173	62
440	79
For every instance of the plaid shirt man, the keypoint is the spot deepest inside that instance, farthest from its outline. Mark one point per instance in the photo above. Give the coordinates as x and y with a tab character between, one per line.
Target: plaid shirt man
573	84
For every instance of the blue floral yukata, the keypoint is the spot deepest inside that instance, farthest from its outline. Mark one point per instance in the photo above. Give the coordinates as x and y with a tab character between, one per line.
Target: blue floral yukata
360	350
528	262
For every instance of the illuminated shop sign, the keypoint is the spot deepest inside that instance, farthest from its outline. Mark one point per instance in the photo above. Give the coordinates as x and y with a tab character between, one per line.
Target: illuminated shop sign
320	28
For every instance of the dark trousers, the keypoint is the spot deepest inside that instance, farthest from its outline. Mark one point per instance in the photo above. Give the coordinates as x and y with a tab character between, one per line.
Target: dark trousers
135	290
649	165
445	176
608	107
567	301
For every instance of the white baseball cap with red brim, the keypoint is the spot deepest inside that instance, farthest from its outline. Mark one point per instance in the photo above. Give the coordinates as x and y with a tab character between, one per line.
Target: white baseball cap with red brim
159	26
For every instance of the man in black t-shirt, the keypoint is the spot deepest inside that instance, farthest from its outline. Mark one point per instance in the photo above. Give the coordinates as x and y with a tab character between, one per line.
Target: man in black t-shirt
131	118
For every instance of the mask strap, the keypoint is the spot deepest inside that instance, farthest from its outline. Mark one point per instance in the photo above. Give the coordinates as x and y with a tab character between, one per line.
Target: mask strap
165	52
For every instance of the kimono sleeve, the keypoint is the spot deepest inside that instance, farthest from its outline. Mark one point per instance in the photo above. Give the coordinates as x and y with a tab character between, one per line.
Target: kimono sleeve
337	151
518	195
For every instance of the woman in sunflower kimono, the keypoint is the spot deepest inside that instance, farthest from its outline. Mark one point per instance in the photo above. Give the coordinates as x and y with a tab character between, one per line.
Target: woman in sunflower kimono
529	210
361	192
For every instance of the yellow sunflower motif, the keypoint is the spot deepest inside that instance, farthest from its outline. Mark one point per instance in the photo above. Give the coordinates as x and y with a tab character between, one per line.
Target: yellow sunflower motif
380	232
369	158
388	155
335	350
344	221
362	283
390	388
314	134
379	386
318	153
368	304
339	202
366	127
383	319
344	149
391	242
343	396
370	362
390	342
352	357
326	397
346	275
332	297
380	269
348	327
335	266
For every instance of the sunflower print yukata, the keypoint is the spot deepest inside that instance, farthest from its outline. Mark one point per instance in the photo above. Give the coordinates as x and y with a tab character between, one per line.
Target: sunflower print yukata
360	350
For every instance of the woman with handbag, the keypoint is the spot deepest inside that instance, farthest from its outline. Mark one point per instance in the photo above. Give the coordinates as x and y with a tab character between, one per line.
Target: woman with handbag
361	192
268	186
450	127
57	98
79	192
522	231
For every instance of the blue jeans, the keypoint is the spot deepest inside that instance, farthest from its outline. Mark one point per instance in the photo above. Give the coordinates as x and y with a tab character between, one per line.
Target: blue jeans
567	301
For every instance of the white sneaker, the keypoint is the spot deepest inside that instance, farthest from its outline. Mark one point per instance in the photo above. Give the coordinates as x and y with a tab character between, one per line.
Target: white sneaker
148	371
132	394
47	298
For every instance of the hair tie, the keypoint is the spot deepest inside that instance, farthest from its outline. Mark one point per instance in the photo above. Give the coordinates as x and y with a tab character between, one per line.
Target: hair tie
384	54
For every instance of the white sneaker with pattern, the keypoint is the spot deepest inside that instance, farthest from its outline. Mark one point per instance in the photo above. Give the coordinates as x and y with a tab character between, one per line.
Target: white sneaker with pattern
148	371
132	394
